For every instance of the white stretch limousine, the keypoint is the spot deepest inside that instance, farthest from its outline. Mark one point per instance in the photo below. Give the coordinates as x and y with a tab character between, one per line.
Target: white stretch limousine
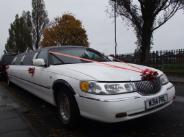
82	81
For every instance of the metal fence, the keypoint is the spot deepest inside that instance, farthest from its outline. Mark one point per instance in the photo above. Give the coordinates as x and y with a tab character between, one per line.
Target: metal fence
157	57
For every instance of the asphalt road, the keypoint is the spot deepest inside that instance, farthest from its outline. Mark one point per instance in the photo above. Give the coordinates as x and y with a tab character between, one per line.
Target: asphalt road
42	116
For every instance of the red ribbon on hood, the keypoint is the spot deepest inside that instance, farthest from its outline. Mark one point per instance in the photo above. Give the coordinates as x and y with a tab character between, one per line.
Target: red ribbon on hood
147	74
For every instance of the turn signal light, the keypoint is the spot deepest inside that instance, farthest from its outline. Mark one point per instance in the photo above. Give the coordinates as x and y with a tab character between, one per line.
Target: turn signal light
84	86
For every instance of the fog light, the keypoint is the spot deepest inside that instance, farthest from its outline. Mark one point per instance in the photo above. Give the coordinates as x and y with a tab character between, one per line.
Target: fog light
120	115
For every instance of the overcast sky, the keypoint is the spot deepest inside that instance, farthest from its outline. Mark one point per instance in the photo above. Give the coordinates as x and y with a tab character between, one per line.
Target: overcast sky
98	24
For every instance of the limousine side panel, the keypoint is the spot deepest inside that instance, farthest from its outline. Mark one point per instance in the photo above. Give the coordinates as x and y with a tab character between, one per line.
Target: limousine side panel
42	81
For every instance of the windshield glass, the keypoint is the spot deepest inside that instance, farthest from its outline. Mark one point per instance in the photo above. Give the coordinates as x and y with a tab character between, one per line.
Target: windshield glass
81	52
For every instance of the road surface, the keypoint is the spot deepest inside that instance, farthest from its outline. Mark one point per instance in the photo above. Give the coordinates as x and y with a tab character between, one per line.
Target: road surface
43	118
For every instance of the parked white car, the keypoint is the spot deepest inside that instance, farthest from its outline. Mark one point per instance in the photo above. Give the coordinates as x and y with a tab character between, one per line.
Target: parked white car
82	81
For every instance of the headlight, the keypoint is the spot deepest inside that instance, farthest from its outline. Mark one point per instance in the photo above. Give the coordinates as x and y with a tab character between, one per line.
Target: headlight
90	87
163	79
106	88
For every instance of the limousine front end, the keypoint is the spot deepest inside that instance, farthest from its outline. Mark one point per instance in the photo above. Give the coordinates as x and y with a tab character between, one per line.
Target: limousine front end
116	102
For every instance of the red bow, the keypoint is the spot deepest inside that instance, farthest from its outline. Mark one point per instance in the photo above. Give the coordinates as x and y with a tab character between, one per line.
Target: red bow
148	74
31	71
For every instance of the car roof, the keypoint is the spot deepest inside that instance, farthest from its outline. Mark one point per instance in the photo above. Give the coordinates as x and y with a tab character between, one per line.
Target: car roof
64	46
9	54
50	48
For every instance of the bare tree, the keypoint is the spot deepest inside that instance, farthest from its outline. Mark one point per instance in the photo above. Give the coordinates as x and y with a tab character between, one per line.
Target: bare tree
39	19
146	16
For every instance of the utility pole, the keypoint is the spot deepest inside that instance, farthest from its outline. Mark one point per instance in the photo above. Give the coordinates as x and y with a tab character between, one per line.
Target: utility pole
115	26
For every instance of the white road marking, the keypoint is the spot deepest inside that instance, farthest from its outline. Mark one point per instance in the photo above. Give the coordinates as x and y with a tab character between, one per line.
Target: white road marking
179	99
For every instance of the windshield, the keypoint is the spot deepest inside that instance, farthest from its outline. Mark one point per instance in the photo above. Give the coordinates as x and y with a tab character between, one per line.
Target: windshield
86	53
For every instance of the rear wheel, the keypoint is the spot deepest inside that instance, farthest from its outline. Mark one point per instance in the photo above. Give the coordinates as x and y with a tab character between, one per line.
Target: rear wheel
67	109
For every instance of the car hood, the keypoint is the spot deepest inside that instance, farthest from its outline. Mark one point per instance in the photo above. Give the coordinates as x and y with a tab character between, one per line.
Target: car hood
102	72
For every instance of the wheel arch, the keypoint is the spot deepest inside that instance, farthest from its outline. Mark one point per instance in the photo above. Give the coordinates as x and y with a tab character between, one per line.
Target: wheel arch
58	84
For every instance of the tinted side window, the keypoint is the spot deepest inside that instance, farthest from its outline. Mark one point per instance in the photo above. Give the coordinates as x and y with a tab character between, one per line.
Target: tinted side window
21	62
28	60
44	55
19	59
7	59
54	60
13	62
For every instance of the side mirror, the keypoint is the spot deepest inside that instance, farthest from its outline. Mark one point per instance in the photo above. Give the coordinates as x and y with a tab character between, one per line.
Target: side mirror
110	58
39	62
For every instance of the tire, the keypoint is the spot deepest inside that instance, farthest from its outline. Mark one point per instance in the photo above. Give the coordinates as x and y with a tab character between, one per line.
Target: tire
67	109
9	83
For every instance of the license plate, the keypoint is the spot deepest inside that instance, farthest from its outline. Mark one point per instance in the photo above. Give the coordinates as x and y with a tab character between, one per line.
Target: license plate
154	102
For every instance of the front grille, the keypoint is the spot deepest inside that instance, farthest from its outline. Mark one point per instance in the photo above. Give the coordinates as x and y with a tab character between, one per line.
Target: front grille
148	87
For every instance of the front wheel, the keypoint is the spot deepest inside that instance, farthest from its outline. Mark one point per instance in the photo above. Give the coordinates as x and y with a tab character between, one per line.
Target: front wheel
67	109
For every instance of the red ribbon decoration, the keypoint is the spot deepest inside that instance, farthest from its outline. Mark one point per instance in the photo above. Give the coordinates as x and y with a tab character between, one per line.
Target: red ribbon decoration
31	71
147	74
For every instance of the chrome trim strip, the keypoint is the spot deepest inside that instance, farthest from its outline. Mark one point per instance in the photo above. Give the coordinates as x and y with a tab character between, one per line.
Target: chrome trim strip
46	87
110	100
170	87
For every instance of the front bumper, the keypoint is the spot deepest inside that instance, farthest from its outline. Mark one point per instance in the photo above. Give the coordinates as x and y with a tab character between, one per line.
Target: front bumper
107	108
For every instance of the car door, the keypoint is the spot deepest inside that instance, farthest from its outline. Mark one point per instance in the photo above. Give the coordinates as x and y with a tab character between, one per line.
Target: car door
42	78
27	64
17	71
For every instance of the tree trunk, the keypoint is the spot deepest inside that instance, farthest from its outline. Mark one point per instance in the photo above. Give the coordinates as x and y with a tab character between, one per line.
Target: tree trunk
145	49
37	38
146	42
37	43
37	29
